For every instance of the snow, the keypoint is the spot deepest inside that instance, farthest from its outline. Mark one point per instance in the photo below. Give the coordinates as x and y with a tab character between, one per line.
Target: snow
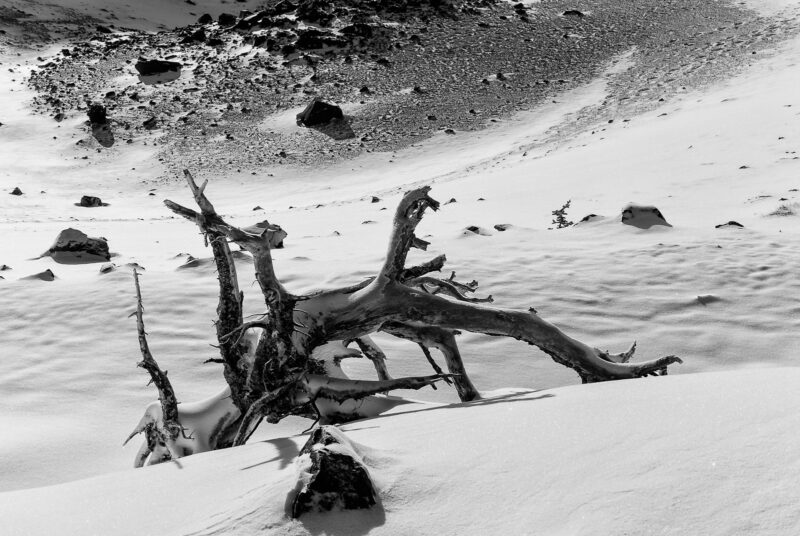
689	454
709	450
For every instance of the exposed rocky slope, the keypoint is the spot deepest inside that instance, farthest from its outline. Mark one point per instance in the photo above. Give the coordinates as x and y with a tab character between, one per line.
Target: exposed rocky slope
402	71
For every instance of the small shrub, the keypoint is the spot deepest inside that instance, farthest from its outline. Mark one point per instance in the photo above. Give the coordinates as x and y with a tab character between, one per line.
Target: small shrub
560	220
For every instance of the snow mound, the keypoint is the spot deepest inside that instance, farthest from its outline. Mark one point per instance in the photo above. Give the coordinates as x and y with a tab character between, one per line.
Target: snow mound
693	454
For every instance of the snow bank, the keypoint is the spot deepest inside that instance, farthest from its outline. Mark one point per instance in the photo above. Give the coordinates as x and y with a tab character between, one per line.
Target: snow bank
694	454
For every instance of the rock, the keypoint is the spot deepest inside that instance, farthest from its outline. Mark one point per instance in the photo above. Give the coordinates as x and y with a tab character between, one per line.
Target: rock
502	227
573	13
47	275
74	247
705	299
157	71
474	229
731	223
108	268
98	115
643	216
205	18
90	201
147	67
375	199
318	113
332	476
316	11
150	124
313	39
197	36
591	218
16	191
4	267
226	19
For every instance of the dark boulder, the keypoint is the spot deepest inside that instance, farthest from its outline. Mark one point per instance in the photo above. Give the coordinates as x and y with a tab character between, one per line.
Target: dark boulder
147	67
226	19
643	216
90	201
316	11
16	191
734	224
318	113
101	128
313	39
205	18
74	247
573	13
197	36
333	476
98	115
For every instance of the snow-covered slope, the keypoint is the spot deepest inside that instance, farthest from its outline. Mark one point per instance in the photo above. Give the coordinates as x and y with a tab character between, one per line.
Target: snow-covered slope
693	454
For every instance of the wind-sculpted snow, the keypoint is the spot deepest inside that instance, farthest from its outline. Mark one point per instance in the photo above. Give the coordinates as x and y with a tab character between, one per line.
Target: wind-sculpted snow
686	454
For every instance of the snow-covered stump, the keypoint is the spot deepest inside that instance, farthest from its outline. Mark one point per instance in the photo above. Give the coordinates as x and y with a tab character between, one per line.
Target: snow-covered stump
332	476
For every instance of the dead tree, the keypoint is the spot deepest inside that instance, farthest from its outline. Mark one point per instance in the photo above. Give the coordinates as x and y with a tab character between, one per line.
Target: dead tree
280	376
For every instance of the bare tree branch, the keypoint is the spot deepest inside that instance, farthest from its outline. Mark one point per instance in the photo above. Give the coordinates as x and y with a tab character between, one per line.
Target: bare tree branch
444	341
409	213
373	352
166	394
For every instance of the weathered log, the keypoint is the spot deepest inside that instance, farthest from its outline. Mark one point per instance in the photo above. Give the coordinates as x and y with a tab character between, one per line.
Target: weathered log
280	377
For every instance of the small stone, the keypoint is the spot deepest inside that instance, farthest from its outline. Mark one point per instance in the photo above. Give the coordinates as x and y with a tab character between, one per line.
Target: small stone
375	199
16	191
47	275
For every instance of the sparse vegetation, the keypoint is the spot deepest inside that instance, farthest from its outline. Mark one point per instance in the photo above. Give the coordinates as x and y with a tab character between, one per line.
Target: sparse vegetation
560	216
